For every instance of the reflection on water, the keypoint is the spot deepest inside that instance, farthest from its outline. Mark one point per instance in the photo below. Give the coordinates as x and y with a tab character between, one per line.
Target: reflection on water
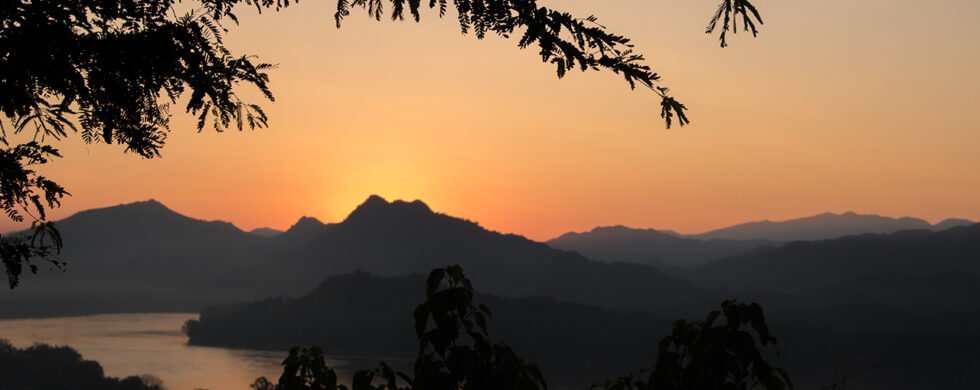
136	344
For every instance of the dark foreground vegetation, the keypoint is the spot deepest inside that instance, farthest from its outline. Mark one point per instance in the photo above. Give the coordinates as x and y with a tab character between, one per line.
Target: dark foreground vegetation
45	367
874	346
455	352
360	314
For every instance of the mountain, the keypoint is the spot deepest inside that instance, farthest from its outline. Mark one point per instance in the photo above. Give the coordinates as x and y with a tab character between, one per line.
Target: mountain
305	229
143	256
266	232
817	227
805	265
648	246
401	238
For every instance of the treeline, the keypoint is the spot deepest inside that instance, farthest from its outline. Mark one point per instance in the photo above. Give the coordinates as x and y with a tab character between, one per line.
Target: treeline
45	367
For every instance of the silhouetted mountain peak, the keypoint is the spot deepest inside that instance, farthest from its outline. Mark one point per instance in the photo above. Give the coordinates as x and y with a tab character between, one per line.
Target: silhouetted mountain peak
305	229
149	205
145	210
305	224
373	201
378	210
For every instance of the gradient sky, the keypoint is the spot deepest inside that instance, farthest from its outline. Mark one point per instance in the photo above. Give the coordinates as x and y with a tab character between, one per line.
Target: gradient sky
838	105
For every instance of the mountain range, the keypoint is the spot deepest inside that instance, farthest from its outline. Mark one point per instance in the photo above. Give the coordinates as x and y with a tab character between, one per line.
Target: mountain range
667	249
168	262
826	226
652	247
873	297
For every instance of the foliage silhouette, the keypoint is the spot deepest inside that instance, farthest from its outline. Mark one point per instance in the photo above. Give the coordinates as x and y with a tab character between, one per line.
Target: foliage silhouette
262	383
305	369
706	355
115	66
455	352
44	367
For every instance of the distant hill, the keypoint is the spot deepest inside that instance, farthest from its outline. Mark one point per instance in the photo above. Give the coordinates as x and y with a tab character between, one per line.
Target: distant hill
667	249
950	223
651	247
824	226
359	314
266	232
801	265
363	315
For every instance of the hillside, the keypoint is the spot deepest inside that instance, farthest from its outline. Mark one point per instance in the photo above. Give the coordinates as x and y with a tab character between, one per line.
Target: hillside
651	247
363	315
144	257
801	265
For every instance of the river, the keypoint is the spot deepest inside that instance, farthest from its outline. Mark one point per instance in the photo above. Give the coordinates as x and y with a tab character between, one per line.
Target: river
136	344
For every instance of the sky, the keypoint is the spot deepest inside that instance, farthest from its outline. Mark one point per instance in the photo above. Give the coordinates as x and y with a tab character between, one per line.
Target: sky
865	106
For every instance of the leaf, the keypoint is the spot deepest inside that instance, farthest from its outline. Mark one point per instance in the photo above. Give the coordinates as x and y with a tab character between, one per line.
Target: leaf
432	283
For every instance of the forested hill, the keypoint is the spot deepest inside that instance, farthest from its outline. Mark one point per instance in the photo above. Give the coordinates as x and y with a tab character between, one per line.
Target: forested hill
363	315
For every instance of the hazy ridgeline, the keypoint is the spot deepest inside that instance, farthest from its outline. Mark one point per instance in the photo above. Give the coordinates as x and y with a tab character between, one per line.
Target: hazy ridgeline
165	261
670	250
878	302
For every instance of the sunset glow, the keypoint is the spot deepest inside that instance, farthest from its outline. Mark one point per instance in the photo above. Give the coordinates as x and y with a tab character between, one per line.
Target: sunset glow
850	106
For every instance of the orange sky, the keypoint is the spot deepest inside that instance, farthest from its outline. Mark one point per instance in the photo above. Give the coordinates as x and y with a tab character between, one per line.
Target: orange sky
867	106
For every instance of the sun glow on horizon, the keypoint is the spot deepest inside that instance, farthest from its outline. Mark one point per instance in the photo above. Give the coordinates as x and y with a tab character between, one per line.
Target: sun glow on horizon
806	118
